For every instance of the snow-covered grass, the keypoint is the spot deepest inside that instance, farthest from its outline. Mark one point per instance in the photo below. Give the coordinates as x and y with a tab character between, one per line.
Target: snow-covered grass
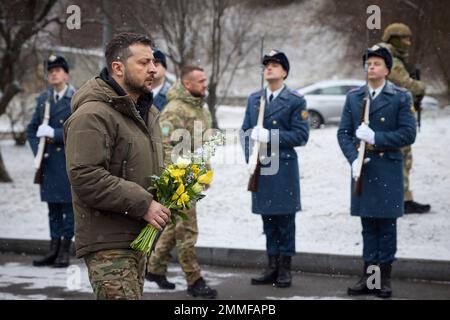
75	278
324	225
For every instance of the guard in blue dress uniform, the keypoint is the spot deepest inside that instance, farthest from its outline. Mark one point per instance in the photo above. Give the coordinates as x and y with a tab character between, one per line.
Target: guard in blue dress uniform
277	199
380	202
55	187
160	84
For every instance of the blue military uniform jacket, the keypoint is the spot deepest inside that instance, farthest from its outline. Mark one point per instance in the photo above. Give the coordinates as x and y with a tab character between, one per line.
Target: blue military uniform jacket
55	187
392	119
160	100
278	193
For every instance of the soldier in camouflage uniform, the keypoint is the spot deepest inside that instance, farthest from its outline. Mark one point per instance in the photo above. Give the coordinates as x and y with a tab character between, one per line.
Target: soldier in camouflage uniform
397	38
185	110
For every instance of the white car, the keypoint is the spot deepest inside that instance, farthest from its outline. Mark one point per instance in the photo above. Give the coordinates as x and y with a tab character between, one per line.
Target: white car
325	100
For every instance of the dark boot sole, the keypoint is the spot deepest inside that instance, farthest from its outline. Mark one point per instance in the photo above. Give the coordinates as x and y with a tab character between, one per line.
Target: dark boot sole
61	265
360	293
167	288
261	283
384	295
212	296
282	285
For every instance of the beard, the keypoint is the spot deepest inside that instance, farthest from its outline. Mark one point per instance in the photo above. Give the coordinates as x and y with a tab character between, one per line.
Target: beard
134	86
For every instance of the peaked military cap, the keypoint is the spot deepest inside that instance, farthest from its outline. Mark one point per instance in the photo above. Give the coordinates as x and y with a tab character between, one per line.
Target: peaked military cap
379	51
278	57
57	61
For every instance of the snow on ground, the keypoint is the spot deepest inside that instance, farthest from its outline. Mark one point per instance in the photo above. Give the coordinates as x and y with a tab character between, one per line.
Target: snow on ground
324	225
75	278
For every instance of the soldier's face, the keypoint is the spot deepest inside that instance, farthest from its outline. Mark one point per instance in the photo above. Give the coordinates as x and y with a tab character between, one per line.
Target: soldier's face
274	71
57	76
196	83
160	71
376	68
139	70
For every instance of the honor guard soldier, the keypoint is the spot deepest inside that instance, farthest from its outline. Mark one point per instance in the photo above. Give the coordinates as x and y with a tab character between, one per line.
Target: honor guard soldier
277	196
379	202
54	183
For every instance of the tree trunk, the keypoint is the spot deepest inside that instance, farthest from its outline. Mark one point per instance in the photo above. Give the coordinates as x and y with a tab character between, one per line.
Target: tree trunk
212	101
4	175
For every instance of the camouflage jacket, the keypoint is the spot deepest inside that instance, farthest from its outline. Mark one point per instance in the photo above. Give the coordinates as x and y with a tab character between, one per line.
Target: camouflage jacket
400	76
185	112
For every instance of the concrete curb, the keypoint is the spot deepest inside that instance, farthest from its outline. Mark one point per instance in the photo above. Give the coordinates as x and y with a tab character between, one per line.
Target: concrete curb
420	269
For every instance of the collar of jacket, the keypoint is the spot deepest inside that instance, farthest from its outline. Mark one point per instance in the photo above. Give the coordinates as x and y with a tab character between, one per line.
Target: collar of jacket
123	104
277	104
179	92
68	94
382	100
142	105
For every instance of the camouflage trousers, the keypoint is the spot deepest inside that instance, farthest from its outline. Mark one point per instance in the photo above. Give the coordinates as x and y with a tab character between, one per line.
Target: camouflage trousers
407	165
184	236
116	274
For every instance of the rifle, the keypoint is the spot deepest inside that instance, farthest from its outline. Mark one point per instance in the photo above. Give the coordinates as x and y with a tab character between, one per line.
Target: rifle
364	119
414	72
38	159
254	158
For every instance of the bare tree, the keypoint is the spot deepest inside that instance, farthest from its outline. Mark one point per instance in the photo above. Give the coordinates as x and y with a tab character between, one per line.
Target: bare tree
230	41
20	21
214	34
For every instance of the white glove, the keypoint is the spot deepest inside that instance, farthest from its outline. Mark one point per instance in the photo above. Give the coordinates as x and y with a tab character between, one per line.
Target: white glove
45	130
260	134
365	133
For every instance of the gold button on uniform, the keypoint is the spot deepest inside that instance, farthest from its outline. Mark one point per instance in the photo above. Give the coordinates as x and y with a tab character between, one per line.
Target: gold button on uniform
274	122
382	119
61	121
58	149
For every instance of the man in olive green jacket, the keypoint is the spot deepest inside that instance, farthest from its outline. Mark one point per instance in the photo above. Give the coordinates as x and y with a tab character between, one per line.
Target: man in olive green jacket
186	110
113	144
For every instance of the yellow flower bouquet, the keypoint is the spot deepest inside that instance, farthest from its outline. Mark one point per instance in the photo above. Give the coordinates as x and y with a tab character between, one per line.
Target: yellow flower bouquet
178	187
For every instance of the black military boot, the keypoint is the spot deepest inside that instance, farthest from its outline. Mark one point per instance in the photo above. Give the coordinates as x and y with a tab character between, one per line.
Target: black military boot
284	277
385	290
360	287
160	280
415	207
63	258
269	274
200	289
50	257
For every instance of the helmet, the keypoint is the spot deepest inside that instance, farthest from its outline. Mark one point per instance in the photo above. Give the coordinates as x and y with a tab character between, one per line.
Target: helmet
396	29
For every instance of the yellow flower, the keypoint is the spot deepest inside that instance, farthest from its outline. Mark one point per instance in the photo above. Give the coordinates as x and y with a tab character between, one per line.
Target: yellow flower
183	200
182	163
166	179
197	188
196	170
178	192
177	174
206	178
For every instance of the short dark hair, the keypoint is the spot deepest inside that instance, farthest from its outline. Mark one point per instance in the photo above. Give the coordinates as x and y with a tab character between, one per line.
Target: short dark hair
119	46
188	69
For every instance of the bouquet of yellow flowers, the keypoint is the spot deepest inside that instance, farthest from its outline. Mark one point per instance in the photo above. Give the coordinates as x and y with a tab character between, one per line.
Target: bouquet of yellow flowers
178	187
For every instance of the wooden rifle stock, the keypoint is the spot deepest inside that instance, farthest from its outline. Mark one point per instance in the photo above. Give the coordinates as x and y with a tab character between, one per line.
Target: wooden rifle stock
362	146
38	160
253	181
254	157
